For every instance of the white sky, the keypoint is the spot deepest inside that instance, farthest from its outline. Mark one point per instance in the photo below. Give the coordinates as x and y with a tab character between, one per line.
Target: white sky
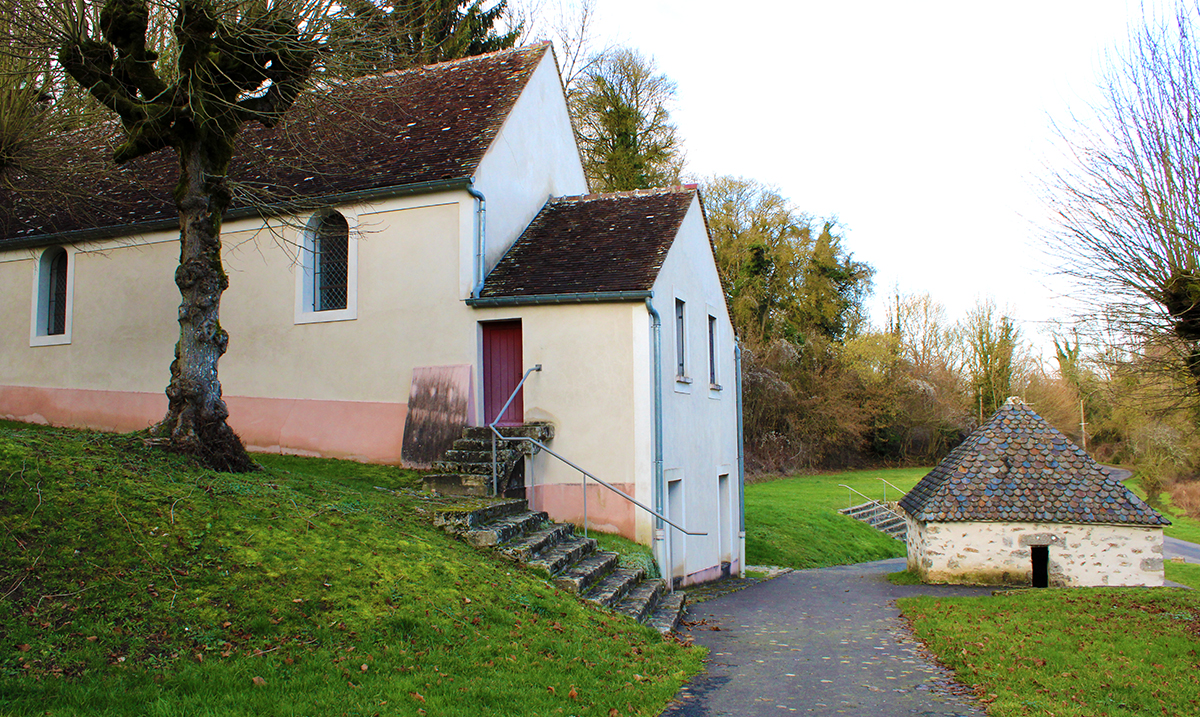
921	125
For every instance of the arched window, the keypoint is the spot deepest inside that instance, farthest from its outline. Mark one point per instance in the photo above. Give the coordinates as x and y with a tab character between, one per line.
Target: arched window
326	284
56	293
331	256
52	298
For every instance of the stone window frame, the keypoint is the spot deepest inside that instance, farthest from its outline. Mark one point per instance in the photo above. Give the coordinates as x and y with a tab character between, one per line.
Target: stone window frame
45	298
306	310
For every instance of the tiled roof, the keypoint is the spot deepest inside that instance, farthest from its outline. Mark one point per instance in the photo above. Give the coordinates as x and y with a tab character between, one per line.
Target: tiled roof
1018	468
595	243
422	125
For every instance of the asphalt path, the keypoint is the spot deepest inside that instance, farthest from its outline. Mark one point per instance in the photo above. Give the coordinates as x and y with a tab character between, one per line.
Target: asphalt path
1176	548
819	642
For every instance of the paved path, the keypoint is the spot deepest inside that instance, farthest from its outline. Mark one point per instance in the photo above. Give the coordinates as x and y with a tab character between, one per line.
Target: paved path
819	642
1176	548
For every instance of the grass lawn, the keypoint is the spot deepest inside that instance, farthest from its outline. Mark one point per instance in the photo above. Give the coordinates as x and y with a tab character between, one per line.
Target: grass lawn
133	583
793	522
1181	527
1083	652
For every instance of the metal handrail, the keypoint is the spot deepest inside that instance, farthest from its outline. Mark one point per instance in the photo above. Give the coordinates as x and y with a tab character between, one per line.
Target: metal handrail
850	500
885	485
882	504
499	415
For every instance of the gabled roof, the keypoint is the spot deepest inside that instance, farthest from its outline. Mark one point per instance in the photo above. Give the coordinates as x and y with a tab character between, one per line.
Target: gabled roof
427	125
1018	468
594	244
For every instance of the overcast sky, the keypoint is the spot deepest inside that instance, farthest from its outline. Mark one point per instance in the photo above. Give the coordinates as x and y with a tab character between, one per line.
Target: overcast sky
922	126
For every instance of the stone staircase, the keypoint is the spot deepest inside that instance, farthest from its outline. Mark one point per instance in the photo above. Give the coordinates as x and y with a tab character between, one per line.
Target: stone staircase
572	562
881	517
466	469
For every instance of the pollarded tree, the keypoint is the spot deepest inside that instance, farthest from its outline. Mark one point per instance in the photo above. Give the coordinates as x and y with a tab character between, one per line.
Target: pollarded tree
623	123
237	62
1127	210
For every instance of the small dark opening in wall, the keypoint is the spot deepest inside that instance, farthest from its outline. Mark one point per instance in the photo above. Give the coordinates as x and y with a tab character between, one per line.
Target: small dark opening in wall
1041	565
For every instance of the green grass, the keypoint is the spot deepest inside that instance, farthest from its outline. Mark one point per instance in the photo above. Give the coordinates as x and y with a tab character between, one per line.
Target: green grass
1181	527
633	555
1183	573
1084	652
793	522
904	577
133	582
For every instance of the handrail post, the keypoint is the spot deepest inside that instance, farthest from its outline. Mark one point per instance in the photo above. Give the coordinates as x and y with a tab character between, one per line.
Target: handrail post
499	415
584	485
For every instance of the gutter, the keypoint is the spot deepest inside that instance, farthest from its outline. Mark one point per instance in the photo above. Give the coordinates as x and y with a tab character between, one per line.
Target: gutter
266	210
741	453
588	297
662	550
480	236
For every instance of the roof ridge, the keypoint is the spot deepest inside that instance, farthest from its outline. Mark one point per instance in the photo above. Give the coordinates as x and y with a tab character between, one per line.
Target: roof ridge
653	191
459	60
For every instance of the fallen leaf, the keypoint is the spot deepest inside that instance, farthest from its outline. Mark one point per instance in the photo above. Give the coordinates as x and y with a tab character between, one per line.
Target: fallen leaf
363	667
258	680
91	638
573	694
612	712
23	648
417	696
550	688
298	600
226	624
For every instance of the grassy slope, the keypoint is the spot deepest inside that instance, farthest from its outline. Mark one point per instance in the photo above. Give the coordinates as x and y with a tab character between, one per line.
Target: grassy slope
794	522
1085	652
135	583
1181	527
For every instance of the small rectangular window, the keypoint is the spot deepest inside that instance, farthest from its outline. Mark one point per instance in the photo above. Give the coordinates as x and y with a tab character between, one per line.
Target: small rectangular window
712	351
680	341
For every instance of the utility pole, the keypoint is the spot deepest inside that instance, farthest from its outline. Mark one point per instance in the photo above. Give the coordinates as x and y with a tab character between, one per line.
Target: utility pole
1082	425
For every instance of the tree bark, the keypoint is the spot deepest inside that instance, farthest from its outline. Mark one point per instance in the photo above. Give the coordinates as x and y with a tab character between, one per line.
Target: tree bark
195	423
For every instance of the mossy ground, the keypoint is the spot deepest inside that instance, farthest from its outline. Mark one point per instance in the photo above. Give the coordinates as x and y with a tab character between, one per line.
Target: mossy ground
134	582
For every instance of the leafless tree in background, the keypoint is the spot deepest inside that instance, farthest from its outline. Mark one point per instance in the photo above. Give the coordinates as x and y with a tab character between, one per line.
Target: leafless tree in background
1127	210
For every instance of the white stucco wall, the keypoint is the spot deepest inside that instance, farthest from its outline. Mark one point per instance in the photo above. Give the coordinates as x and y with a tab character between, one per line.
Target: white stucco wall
1080	555
700	421
533	158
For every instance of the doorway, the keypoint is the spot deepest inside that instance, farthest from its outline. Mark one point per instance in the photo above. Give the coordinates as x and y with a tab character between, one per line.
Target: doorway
1041	565
502	364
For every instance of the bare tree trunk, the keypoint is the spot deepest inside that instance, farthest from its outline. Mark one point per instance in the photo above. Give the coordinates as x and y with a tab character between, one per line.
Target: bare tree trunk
195	421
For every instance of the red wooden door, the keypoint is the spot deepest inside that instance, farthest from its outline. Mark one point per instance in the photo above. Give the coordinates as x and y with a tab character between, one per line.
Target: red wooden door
502	365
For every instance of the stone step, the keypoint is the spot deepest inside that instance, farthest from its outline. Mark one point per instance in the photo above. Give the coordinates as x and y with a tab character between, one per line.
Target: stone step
613	587
556	559
473	444
505	529
537	431
641	601
458	484
474	469
581	576
528	547
463	457
668	612
470	515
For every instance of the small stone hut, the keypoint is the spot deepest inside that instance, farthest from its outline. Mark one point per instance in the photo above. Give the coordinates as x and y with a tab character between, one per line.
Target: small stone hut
1019	503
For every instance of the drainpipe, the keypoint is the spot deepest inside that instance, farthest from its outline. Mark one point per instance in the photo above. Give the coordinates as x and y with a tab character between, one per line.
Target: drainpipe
660	501
741	453
480	236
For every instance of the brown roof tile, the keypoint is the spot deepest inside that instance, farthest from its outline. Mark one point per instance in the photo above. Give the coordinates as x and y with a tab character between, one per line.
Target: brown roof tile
594	243
403	128
1018	468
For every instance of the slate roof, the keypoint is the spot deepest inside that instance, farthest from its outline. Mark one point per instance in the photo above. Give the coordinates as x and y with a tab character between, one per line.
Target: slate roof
1018	468
427	124
594	243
